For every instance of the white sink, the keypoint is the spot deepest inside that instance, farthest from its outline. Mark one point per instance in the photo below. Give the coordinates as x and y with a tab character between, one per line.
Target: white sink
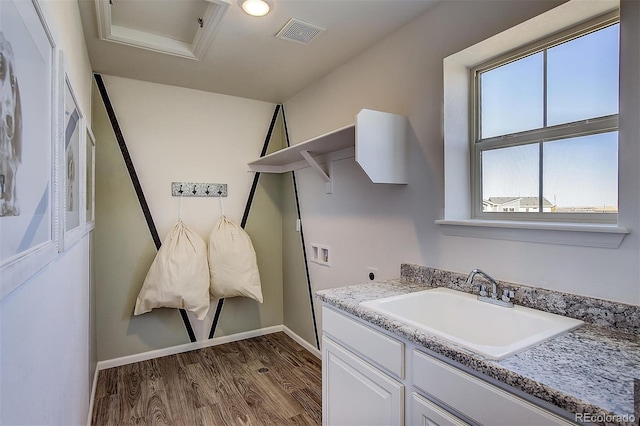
490	330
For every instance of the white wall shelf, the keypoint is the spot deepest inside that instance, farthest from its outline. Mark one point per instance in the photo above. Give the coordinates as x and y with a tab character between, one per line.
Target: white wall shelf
377	140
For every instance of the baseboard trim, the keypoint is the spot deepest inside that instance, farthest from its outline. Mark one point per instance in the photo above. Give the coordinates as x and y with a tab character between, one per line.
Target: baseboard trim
315	351
144	356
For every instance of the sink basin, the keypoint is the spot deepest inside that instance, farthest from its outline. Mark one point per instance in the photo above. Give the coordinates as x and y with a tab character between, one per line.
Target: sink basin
490	330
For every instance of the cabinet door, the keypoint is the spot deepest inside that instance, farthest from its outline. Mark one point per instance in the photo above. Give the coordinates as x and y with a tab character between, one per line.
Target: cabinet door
426	413
355	393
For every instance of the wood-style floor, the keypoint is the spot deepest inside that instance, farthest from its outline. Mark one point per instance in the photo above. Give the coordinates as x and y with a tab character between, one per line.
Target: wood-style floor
267	380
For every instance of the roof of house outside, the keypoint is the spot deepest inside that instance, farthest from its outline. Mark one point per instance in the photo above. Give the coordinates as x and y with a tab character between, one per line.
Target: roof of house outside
531	202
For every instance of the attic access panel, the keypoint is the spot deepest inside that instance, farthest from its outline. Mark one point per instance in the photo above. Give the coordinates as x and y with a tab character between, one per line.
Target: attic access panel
181	28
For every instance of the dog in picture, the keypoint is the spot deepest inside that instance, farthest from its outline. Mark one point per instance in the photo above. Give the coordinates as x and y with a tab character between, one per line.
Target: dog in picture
10	130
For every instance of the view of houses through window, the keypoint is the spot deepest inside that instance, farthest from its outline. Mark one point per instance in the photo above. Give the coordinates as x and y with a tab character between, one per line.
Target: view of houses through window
546	138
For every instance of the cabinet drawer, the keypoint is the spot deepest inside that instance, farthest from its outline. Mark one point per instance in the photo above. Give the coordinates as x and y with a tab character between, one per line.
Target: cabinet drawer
384	351
479	400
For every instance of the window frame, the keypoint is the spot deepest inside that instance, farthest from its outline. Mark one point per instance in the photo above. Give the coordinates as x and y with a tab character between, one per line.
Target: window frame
537	136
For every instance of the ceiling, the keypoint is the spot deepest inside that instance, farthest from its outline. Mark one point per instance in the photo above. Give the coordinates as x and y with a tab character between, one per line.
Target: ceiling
244	57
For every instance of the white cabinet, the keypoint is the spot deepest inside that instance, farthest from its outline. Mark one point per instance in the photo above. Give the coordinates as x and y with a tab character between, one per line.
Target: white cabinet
362	370
381	146
377	140
366	372
356	393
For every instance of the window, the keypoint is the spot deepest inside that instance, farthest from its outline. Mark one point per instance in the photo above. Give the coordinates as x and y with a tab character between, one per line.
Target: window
545	129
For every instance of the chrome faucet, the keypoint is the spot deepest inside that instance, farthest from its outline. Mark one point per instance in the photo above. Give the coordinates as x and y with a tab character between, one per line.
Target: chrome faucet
483	296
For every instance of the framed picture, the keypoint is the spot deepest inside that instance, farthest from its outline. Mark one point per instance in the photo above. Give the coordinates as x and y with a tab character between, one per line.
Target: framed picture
90	174
28	139
71	158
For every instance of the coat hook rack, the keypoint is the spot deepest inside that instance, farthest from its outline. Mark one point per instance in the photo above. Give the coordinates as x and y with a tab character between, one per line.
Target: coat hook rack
195	189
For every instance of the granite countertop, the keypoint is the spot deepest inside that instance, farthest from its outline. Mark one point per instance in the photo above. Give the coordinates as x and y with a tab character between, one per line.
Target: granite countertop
590	370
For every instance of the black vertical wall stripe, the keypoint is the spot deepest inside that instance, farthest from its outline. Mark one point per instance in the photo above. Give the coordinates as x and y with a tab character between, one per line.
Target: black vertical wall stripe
136	182
256	177
127	160
247	208
216	318
187	325
304	249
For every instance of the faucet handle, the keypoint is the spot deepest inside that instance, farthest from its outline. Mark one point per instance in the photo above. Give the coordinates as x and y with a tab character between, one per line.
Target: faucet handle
483	290
507	295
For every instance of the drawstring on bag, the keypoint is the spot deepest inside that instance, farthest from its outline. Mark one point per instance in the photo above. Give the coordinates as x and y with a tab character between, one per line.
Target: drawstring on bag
221	206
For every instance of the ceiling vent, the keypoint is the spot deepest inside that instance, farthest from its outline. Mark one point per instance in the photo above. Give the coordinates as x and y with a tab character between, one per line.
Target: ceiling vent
181	28
299	31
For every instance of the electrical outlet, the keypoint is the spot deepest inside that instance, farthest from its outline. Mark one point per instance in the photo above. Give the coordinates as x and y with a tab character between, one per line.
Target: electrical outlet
371	273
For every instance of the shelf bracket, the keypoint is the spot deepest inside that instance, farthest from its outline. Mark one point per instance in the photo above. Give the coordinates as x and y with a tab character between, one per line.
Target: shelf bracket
328	179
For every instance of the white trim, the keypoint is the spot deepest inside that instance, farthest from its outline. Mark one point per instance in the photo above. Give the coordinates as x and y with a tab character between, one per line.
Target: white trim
574	234
196	50
144	356
93	395
315	351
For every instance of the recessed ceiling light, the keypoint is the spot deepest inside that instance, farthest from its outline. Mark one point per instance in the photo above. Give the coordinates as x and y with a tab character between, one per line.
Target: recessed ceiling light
256	7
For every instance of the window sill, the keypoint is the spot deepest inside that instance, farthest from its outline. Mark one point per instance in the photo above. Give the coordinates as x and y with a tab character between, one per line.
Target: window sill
573	234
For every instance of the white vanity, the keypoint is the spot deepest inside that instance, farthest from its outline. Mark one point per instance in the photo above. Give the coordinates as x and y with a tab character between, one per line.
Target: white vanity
371	377
383	368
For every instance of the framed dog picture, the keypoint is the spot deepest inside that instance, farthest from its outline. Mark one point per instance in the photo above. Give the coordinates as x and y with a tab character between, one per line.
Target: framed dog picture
72	181
28	132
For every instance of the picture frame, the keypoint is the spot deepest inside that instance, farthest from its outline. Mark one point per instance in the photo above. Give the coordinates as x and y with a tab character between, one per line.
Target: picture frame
90	175
28	140
71	166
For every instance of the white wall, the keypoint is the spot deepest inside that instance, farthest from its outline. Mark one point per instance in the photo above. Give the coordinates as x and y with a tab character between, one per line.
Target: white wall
44	324
175	134
382	226
45	349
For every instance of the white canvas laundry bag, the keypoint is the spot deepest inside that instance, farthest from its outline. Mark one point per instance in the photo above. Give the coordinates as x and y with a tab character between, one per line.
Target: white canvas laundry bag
178	276
233	265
